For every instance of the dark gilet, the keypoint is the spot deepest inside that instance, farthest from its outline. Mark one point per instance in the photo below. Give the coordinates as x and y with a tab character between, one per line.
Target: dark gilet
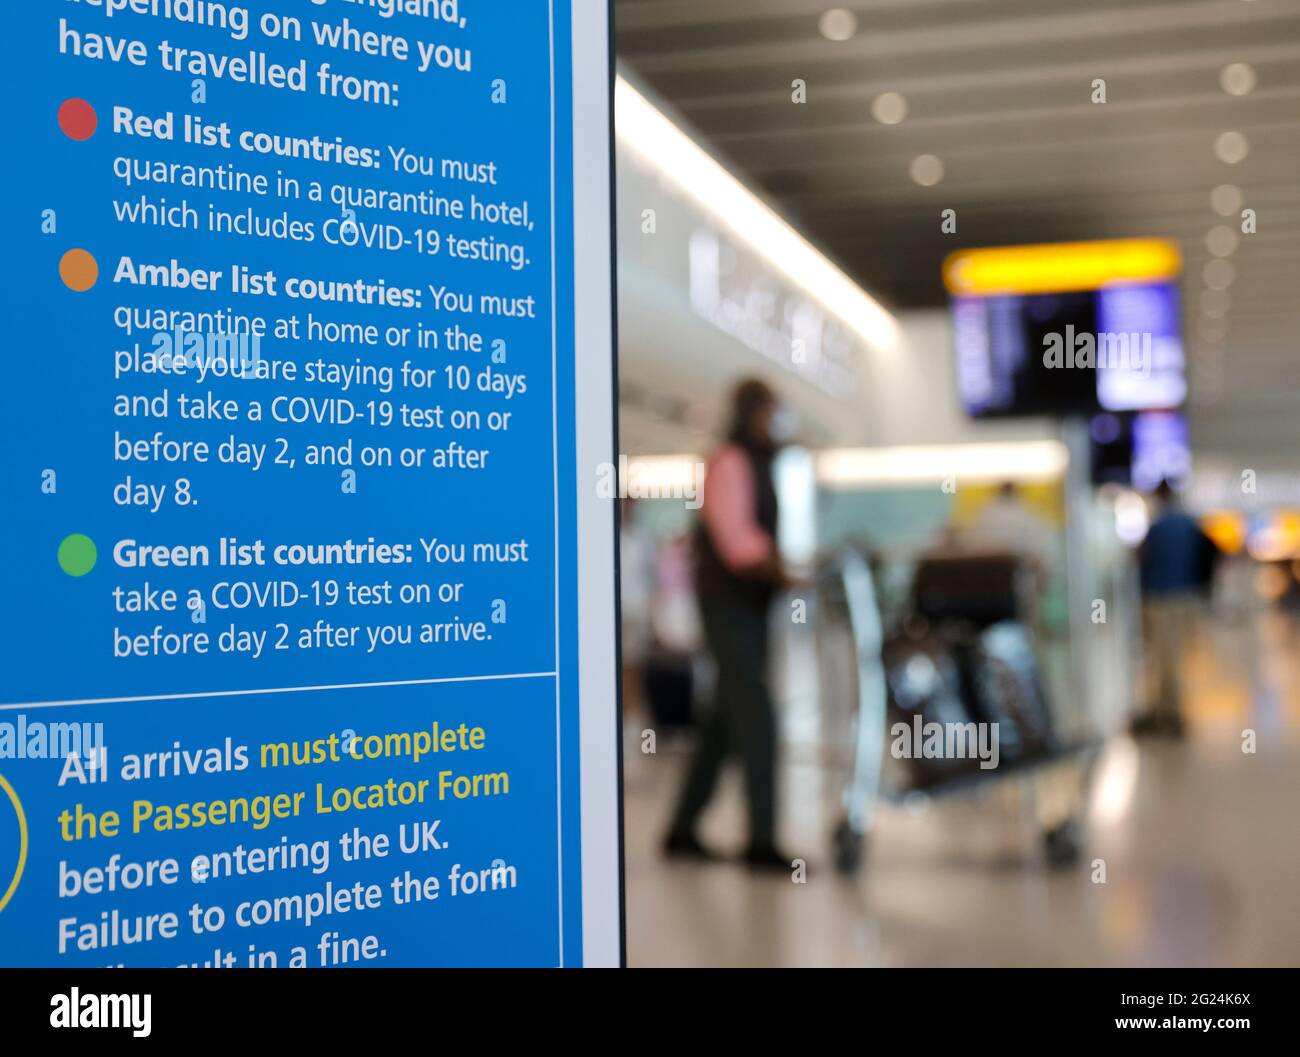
712	577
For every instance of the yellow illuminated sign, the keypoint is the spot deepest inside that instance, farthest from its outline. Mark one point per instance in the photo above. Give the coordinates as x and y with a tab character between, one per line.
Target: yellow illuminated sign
1060	267
1228	530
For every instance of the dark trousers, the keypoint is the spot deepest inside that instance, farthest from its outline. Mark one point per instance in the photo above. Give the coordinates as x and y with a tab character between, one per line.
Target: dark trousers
743	721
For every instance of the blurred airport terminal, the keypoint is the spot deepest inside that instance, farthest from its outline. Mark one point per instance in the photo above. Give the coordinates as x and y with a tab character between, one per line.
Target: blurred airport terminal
985	584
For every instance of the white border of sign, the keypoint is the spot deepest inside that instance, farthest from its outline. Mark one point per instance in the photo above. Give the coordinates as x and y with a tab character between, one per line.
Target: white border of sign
602	882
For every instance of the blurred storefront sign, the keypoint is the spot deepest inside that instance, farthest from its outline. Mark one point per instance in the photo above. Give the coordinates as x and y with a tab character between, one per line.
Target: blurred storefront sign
735	291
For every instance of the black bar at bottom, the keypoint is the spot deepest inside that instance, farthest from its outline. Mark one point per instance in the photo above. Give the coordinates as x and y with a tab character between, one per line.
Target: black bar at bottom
611	1009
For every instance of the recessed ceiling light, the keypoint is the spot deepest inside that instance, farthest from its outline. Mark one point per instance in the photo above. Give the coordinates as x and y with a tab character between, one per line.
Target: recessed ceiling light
1226	199
838	24
1212	329
1221	241
1238	78
1219	274
1231	147
889	108
926	169
1206	386
1215	303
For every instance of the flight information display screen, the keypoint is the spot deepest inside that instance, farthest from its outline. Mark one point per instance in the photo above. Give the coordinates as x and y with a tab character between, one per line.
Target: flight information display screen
1140	450
1114	349
1067	328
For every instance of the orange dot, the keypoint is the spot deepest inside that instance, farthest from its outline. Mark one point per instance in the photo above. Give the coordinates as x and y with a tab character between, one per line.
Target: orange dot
78	270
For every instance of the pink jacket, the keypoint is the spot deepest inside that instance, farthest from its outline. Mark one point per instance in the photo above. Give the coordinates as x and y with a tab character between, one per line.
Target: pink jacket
728	511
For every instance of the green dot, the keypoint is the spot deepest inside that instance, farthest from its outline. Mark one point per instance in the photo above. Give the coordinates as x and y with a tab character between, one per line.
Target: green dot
77	554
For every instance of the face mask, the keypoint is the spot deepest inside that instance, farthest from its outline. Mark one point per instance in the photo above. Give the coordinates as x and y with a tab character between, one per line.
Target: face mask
783	425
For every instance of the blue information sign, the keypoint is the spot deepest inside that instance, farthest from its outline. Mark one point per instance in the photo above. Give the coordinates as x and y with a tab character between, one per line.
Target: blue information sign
308	623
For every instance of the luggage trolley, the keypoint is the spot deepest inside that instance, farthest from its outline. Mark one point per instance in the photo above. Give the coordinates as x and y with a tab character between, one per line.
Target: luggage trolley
1004	686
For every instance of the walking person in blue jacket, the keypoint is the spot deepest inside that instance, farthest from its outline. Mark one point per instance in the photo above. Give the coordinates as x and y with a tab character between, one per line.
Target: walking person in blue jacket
1176	564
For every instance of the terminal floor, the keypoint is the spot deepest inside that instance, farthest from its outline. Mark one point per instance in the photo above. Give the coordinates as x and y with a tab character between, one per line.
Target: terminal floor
1199	841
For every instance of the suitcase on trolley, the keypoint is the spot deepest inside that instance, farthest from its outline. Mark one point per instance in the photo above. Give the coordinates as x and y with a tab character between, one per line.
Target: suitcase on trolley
964	655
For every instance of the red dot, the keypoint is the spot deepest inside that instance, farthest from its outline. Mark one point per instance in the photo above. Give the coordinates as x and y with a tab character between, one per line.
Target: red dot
77	119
